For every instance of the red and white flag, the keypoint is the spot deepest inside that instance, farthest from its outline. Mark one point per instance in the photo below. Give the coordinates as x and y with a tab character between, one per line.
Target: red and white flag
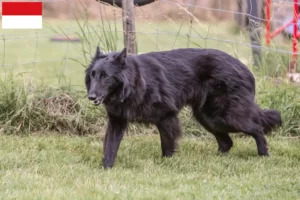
22	15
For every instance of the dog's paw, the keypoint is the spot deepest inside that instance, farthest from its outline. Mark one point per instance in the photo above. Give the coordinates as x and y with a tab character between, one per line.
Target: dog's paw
107	164
265	154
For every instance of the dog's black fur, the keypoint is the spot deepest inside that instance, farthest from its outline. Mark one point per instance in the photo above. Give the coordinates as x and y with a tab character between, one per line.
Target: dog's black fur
154	87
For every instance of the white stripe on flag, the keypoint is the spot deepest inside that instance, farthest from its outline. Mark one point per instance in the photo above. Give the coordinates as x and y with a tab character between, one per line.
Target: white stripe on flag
22	22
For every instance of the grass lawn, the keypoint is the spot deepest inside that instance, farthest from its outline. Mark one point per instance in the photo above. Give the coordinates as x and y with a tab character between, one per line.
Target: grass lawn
67	167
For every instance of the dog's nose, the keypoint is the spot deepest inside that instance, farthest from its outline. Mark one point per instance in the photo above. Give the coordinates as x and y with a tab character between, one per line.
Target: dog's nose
92	97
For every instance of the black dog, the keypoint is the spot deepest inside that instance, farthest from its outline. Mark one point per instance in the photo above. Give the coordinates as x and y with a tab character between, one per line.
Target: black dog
153	88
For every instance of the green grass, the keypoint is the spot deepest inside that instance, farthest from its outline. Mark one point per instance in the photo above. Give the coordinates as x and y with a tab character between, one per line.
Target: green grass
68	167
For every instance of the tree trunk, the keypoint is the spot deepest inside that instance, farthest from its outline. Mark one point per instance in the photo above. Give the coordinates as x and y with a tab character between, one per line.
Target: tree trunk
129	27
118	3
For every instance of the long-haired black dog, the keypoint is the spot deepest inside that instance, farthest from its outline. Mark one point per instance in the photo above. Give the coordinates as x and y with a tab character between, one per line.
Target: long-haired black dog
154	87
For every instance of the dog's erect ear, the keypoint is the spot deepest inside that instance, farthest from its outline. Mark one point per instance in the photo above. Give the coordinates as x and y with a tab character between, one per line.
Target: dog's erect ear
98	54
125	92
121	57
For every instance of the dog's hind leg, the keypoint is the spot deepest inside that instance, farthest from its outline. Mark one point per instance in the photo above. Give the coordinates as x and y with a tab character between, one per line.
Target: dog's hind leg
224	141
261	142
170	131
114	134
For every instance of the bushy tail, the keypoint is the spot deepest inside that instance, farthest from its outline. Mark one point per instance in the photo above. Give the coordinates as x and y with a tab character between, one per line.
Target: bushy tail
270	119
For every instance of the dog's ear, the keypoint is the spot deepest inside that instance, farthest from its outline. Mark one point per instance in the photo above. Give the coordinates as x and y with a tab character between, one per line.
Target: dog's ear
125	92
121	57
98	54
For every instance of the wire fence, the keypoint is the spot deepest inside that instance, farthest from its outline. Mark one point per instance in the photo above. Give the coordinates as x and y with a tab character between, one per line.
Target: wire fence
158	27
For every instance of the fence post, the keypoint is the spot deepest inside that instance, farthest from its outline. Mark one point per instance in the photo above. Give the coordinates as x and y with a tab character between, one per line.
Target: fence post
240	19
129	26
254	11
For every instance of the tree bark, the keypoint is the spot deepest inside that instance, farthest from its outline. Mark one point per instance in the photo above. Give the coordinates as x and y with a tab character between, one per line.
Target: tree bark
118	3
129	27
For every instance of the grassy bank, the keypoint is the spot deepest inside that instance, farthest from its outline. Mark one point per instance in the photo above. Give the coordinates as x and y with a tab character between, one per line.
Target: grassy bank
27	108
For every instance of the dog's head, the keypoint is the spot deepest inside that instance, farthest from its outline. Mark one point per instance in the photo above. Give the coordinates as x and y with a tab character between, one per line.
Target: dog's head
105	76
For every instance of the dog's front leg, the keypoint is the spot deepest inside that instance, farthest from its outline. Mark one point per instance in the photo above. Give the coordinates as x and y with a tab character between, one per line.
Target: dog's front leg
114	134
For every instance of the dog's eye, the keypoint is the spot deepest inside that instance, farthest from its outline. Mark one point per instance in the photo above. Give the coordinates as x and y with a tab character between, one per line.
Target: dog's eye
103	74
93	74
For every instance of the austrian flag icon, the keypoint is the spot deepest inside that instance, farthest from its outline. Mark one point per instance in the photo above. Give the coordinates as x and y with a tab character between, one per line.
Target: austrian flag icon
22	15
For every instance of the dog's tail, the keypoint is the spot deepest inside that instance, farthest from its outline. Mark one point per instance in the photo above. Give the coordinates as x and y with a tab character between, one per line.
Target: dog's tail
270	119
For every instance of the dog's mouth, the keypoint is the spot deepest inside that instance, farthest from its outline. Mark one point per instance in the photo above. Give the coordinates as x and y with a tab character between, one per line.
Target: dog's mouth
98	101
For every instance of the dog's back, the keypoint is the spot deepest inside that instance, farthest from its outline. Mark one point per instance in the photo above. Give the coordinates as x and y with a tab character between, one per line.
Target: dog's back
183	70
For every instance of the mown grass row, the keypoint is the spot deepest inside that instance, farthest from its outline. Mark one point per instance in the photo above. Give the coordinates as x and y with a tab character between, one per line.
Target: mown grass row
68	167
